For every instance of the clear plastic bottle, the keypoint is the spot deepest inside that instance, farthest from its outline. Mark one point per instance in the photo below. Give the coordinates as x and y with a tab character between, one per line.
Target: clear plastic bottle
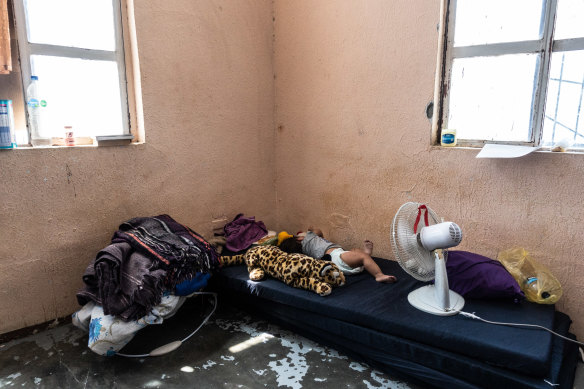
35	106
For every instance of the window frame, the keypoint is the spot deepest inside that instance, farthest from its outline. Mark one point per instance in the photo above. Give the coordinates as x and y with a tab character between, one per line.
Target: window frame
124	56
543	47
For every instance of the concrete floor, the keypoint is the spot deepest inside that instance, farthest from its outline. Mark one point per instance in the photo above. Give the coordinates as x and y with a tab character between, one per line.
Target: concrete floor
233	350
220	355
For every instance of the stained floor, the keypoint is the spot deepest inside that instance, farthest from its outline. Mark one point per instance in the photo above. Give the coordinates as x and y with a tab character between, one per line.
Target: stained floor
233	350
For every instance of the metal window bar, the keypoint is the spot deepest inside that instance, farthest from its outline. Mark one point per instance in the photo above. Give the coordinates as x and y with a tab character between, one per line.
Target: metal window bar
579	110
554	119
567	128
566	81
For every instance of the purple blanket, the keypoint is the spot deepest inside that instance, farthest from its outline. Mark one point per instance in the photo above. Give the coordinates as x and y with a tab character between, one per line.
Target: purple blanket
242	232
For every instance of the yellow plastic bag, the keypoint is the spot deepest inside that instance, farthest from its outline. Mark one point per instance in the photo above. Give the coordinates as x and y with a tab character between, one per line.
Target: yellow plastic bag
535	280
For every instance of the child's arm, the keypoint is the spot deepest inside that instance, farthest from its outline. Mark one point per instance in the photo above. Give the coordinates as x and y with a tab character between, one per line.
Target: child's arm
317	231
300	235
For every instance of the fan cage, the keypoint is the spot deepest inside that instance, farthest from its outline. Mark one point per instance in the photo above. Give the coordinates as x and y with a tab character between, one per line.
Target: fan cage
455	233
412	257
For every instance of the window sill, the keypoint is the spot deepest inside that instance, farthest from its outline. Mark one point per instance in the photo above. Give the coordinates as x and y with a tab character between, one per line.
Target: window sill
93	146
53	147
99	141
114	140
546	150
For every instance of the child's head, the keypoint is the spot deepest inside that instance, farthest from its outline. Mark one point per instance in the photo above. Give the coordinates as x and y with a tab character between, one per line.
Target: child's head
291	245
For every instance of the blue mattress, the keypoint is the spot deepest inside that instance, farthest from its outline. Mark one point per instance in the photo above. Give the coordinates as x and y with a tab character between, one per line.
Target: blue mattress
376	323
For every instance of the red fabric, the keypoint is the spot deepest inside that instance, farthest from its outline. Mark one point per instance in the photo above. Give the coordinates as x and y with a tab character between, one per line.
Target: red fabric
418	217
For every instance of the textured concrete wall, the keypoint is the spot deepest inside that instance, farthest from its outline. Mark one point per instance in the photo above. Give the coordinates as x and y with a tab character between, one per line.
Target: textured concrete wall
207	81
353	143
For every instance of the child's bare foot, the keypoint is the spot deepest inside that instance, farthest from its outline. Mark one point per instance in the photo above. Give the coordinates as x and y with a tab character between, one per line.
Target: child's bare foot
368	247
386	279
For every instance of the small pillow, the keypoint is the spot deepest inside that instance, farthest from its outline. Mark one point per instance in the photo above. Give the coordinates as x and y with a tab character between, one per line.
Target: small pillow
474	276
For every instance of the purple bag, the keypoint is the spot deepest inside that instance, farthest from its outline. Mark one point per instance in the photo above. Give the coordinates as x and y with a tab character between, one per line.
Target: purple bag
242	232
474	276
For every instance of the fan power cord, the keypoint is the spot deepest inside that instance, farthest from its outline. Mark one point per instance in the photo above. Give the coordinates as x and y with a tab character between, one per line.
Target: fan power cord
473	316
176	344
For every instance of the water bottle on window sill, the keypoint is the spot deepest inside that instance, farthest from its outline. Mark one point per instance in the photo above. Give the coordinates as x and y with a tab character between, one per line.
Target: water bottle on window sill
35	106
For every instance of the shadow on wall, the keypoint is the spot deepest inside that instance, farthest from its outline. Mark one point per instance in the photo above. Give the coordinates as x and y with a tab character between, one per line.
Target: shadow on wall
341	230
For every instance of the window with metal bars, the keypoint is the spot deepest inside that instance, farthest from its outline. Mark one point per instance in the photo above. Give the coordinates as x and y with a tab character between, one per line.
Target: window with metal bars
512	72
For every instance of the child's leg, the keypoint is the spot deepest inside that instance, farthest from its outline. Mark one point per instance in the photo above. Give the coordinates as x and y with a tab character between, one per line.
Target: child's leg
356	258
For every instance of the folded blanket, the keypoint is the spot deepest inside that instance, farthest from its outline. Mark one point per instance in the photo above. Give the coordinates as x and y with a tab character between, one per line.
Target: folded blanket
146	257
125	282
179	250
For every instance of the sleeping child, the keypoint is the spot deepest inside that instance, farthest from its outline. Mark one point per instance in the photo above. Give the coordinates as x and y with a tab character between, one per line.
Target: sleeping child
313	244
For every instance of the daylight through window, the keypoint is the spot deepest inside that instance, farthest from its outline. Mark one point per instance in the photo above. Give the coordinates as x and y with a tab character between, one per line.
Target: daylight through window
75	49
514	72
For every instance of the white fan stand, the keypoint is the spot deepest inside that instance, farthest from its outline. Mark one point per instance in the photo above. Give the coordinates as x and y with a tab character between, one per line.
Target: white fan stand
437	299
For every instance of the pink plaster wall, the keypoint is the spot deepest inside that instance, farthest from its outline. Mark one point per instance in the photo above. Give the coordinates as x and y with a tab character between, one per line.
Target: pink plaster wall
353	143
207	82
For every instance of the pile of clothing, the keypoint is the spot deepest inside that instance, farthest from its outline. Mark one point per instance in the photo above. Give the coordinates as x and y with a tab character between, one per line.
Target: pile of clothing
141	278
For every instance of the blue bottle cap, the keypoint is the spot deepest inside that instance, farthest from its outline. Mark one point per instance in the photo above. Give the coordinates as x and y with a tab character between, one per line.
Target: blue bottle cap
34	78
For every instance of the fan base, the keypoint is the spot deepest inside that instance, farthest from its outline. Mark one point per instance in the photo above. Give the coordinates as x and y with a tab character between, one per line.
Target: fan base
425	299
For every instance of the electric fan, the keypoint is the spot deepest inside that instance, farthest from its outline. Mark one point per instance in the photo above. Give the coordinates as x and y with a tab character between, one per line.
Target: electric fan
421	252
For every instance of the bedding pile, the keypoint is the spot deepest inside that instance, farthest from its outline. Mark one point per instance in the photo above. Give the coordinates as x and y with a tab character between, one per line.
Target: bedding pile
137	279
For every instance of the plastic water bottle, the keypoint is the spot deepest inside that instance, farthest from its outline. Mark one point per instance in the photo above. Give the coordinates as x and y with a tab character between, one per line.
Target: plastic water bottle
35	107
